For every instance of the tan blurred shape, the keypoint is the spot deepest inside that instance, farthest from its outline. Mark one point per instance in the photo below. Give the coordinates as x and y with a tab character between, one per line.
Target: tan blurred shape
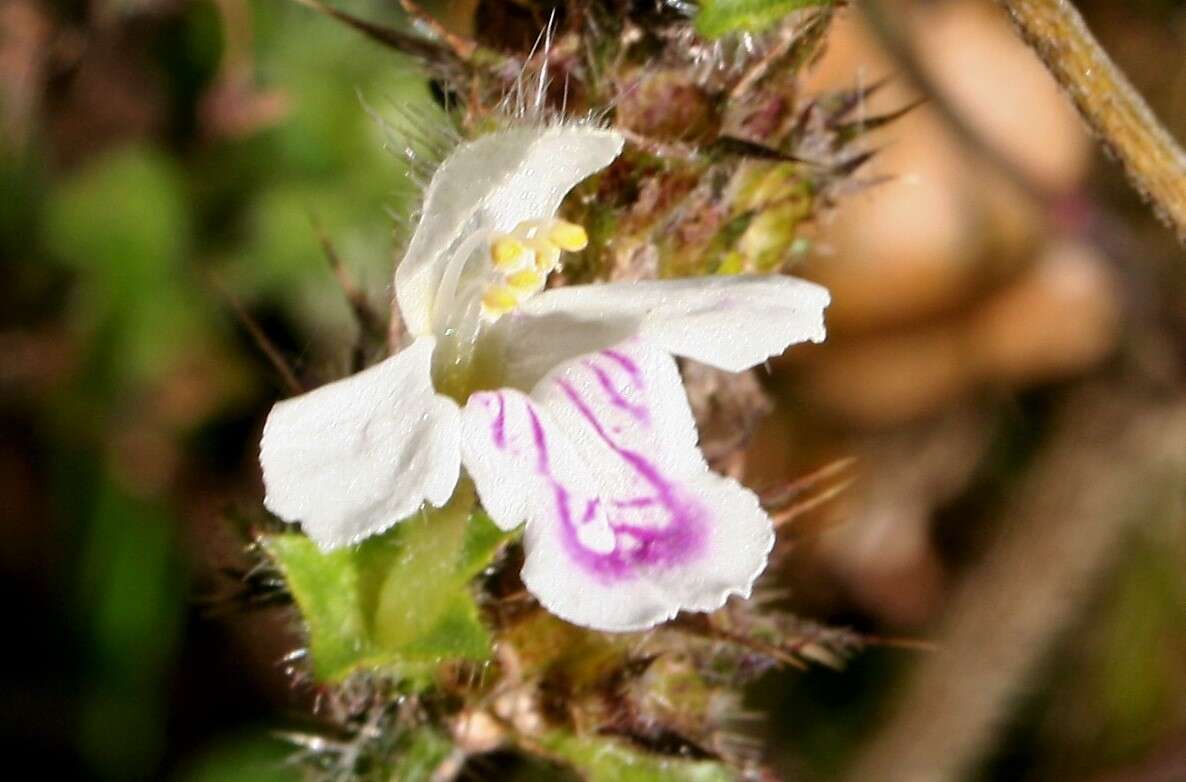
1059	317
943	278
947	283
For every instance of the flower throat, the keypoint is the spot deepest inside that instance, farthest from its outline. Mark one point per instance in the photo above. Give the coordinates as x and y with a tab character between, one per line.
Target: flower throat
478	291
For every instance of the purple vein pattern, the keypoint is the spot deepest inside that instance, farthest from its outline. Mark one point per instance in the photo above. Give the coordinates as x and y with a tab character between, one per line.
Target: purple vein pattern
619	514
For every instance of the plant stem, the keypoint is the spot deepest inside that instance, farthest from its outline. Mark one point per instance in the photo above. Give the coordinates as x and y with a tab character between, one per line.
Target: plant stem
1115	112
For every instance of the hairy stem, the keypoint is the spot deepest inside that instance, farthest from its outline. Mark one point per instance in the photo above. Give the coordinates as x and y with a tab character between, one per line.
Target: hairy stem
1115	112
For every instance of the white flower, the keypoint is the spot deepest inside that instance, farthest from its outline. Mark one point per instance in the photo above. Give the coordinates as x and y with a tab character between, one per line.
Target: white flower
564	406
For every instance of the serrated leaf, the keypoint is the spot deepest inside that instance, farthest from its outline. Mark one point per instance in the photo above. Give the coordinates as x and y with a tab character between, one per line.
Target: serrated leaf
400	601
599	759
721	17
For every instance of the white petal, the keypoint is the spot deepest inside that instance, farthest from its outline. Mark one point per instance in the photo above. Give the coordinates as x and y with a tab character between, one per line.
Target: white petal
352	458
731	323
493	184
626	526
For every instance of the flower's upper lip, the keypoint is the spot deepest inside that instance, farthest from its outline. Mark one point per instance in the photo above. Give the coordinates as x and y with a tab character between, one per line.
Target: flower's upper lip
492	184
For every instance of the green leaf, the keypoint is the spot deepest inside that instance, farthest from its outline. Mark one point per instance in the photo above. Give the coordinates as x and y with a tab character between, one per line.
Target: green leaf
399	601
599	759
721	17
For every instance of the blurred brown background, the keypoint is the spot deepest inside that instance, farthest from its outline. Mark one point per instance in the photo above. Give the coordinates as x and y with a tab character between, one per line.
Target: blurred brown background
1004	369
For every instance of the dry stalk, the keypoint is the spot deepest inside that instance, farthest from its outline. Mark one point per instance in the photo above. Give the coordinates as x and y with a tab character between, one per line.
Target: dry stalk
1114	460
1114	111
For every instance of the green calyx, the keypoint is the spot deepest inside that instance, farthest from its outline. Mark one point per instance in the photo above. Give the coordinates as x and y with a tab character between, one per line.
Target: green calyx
399	602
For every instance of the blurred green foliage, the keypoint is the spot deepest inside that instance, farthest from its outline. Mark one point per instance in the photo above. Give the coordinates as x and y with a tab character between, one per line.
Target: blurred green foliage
123	224
129	556
1111	693
250	757
115	241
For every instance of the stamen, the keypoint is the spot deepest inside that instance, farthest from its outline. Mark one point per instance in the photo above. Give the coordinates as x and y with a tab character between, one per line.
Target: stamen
522	260
506	252
547	255
570	237
499	300
527	281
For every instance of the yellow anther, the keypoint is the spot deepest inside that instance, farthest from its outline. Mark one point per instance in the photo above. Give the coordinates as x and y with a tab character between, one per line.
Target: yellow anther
526	281
547	255
570	237
506	252
499	300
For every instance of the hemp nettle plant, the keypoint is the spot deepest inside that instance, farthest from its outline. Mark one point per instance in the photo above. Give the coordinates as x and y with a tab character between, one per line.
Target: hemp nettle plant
511	539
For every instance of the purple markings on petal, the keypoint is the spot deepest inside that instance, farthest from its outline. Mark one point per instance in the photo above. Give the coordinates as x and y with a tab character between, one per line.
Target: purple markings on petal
636	411
626	363
661	527
500	424
612	538
542	464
